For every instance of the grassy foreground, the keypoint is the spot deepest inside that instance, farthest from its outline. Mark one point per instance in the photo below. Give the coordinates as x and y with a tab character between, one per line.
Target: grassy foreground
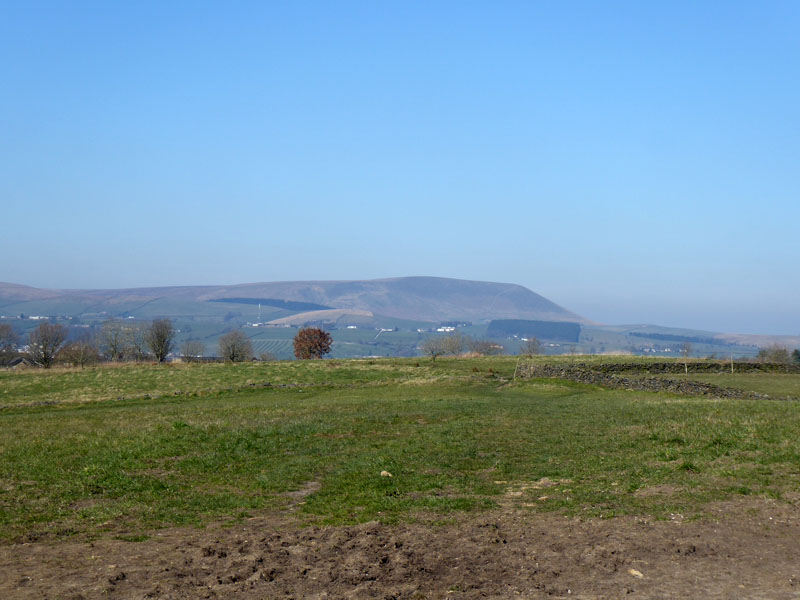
118	451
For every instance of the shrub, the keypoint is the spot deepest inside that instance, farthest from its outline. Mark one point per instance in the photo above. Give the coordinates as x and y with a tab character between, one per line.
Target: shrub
775	354
531	347
485	347
433	347
235	347
80	353
191	350
159	338
312	342
44	342
8	343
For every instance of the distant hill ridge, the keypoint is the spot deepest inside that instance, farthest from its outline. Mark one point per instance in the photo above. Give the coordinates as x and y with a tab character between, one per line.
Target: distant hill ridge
274	302
413	298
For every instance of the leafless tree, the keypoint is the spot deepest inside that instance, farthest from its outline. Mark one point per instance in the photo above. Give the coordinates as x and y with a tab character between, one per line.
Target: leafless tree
266	357
44	342
235	347
454	344
192	350
485	347
775	354
159	337
8	342
136	341
80	353
312	342
433	347
531	346
113	340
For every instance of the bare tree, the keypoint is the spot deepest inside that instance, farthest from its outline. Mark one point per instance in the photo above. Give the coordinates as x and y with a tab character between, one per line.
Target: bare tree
235	347
159	338
432	347
312	342
136	341
192	350
531	346
454	344
485	347
8	342
266	357
775	354
44	342
80	353
113	340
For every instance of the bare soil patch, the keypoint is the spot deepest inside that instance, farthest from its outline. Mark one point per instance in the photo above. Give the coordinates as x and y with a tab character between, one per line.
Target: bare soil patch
663	489
752	550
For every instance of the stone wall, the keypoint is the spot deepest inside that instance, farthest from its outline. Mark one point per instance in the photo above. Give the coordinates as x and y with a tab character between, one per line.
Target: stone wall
606	375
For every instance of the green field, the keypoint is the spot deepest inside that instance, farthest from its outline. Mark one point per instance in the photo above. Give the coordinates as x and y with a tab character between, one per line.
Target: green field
775	384
122	450
206	321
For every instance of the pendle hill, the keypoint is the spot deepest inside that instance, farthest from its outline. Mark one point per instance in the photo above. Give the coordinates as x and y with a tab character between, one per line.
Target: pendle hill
381	317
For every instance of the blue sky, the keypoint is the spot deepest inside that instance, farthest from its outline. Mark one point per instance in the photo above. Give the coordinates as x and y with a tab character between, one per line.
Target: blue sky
632	161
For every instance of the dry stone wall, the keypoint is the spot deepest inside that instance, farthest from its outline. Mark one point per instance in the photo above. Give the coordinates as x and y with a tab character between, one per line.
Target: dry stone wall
613	375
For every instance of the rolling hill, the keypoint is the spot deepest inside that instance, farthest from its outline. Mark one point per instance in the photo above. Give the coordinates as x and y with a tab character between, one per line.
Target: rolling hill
430	299
379	317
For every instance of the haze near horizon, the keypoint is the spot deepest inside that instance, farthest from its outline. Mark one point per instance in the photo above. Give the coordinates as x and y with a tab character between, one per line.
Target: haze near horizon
630	162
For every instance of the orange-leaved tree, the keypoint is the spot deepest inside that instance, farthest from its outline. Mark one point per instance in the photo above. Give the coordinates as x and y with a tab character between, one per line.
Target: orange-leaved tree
312	342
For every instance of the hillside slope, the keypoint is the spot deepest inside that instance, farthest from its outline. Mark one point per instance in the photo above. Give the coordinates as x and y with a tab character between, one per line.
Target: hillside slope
415	298
420	298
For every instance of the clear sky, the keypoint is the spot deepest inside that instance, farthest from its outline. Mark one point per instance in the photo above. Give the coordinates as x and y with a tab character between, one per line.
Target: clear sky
631	161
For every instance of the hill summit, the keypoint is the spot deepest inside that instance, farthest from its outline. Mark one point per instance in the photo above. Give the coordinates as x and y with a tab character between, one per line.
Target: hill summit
417	298
413	298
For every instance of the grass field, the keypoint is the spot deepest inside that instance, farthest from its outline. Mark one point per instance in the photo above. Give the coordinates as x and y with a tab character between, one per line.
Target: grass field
122	450
774	384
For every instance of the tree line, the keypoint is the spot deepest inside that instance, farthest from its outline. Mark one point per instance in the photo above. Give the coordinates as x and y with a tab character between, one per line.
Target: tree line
457	344
778	354
116	341
119	341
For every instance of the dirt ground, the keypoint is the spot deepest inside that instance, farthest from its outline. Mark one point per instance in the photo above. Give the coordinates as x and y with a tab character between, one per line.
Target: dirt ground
750	550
